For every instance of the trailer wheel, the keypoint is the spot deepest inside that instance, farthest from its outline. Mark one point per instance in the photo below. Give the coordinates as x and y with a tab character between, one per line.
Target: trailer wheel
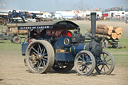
40	56
62	68
106	44
117	45
105	63
84	63
16	39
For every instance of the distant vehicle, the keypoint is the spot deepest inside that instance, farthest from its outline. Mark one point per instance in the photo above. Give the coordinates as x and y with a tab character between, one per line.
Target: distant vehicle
15	19
14	14
65	15
43	17
14	32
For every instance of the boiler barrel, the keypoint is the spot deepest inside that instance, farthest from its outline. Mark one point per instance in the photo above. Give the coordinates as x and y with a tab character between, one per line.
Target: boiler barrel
77	48
94	48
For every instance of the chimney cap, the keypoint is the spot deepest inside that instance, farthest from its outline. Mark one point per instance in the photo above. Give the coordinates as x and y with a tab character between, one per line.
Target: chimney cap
93	13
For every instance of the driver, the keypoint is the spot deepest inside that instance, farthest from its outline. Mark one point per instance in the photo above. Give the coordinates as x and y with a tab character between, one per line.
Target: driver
34	34
43	33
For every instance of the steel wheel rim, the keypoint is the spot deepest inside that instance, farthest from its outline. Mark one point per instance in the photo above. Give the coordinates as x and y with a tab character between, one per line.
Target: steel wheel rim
38	57
105	63
84	63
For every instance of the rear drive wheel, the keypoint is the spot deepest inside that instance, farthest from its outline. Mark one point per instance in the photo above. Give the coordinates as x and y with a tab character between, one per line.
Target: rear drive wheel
40	56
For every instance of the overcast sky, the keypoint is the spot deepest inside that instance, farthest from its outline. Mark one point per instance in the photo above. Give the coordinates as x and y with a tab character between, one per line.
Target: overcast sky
57	5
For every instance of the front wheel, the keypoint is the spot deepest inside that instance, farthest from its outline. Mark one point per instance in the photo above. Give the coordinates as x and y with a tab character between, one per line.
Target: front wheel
84	63
105	63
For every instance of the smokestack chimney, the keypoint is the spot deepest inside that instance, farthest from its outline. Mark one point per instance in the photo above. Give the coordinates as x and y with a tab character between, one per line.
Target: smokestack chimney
93	25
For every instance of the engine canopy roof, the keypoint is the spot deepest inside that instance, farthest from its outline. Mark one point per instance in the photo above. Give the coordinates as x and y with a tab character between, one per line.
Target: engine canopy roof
55	25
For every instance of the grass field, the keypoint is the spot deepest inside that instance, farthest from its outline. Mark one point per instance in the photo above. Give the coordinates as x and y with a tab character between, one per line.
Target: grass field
13	71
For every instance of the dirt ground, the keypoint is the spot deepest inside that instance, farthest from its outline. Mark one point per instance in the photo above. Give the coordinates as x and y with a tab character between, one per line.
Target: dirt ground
14	72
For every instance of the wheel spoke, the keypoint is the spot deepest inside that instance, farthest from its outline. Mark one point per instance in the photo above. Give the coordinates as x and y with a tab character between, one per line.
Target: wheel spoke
34	49
105	57
83	58
38	50
102	67
98	64
45	56
88	62
83	68
107	66
39	65
45	63
80	67
35	53
79	62
44	59
43	51
39	47
87	67
108	60
80	58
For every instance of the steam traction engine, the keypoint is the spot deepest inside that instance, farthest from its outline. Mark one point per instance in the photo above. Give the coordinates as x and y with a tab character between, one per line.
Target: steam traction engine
58	47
